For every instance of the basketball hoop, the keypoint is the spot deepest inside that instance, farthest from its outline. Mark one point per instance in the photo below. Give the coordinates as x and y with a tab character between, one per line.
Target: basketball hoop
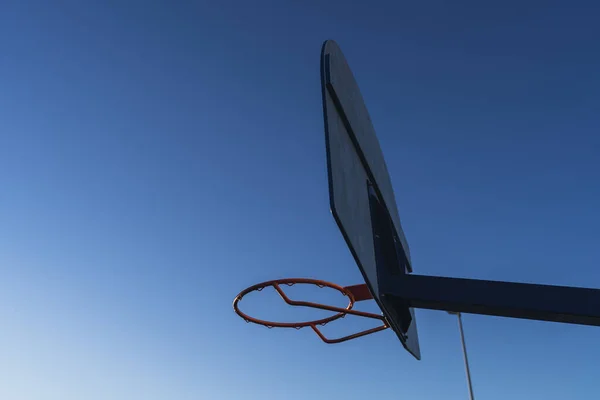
354	294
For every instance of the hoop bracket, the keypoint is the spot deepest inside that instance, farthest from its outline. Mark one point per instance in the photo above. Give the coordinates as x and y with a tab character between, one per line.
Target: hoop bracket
354	293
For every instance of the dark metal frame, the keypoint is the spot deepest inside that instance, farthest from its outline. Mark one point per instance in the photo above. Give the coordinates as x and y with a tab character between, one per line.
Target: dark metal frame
505	299
403	290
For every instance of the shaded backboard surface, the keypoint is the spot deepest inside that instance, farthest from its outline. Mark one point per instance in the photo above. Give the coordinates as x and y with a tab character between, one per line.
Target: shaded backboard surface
360	191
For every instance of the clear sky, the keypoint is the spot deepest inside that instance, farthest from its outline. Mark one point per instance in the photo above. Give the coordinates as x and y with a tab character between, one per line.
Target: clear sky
157	157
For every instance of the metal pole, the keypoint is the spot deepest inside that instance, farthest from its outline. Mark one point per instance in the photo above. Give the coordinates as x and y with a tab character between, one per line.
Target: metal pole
503	299
464	349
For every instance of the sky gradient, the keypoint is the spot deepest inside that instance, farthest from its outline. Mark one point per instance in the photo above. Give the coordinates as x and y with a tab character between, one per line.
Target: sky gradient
158	157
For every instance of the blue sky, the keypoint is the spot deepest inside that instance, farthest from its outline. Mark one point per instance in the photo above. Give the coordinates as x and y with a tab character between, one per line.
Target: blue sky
158	157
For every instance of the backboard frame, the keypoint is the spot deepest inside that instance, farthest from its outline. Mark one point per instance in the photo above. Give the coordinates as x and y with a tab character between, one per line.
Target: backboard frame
359	183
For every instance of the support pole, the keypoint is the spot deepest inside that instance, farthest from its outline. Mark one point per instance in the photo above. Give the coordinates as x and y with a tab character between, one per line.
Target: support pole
464	349
505	299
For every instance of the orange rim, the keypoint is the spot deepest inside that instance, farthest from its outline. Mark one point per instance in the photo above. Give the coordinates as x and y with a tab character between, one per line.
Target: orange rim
354	293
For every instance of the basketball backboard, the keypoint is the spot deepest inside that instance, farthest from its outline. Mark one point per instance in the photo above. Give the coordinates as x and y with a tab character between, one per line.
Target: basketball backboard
364	207
360	191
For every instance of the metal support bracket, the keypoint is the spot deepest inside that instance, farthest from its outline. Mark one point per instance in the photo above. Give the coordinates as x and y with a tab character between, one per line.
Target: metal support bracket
505	299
